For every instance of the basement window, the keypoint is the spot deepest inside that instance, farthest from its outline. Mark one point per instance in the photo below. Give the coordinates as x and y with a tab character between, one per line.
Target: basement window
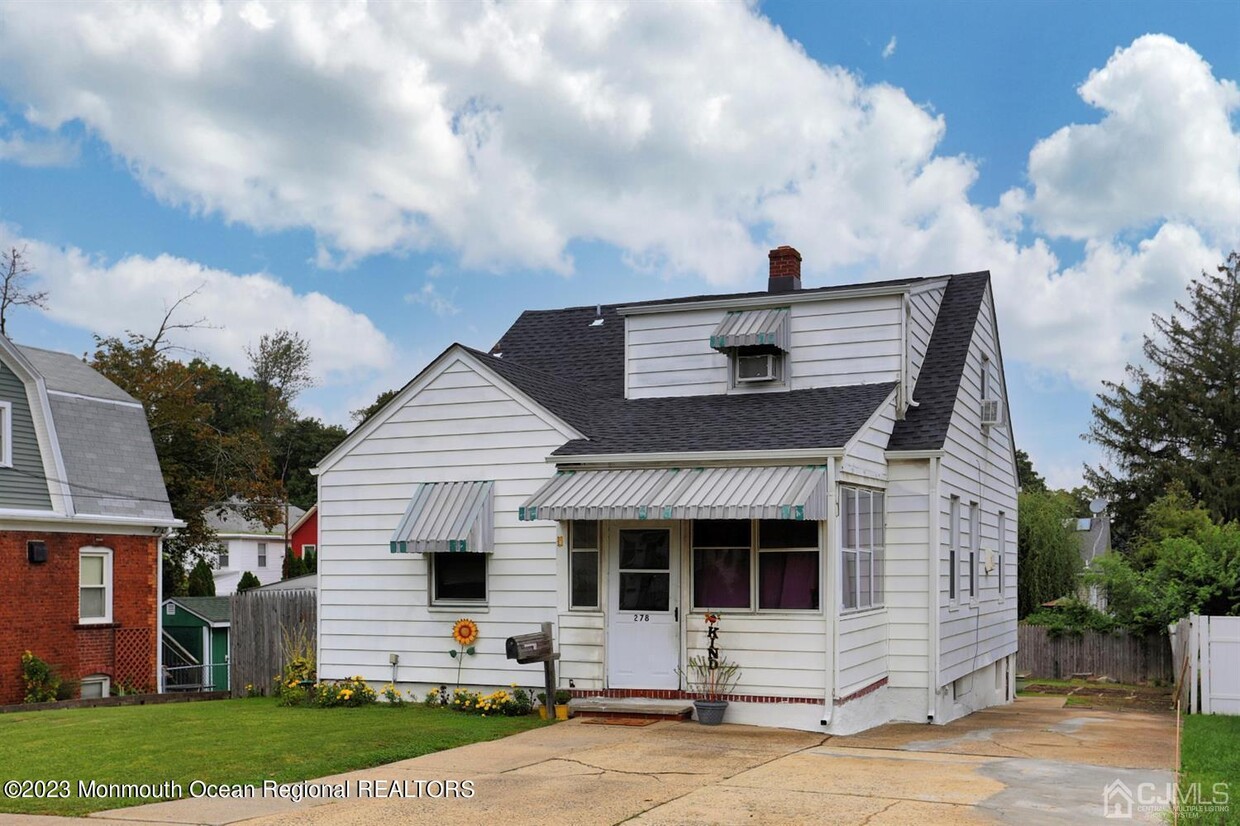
96	687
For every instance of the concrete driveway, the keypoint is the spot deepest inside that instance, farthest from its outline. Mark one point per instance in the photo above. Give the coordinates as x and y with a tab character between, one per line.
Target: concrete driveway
1030	763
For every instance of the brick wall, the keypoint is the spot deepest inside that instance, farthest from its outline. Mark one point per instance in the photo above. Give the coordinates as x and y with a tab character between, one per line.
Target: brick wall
39	610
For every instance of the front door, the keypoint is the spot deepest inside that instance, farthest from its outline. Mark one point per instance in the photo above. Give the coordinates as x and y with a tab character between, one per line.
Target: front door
643	622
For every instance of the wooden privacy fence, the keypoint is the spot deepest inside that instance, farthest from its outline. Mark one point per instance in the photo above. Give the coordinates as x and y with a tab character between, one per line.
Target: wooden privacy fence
1123	657
1207	657
262	621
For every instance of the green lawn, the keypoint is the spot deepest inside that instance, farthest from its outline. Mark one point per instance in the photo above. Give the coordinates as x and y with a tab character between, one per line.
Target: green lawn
1209	754
223	741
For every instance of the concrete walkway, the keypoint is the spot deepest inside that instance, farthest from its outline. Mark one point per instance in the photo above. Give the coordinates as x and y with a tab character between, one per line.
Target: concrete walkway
1031	763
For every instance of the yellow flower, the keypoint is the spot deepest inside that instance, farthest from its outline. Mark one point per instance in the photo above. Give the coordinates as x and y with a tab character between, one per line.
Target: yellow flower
465	632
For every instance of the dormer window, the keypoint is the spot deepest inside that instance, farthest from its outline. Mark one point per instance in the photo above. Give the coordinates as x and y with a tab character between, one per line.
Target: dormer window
756	343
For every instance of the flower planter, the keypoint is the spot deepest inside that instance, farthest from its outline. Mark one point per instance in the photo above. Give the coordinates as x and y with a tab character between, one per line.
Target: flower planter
561	711
710	712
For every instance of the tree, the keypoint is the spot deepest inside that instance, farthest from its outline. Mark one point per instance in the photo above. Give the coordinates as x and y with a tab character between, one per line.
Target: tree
201	580
281	367
362	414
1027	478
16	271
299	446
247	582
1179	419
1048	556
293	565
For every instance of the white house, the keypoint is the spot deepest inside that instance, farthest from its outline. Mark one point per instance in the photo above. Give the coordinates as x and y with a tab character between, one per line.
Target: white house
249	545
830	469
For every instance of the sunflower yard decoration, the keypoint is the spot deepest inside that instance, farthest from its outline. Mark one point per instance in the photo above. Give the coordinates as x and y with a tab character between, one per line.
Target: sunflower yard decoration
464	633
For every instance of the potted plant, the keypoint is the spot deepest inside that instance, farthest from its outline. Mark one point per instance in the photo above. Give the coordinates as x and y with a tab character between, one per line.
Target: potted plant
562	698
710	682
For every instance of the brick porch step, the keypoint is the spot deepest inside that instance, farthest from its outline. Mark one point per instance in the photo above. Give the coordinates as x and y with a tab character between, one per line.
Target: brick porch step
639	707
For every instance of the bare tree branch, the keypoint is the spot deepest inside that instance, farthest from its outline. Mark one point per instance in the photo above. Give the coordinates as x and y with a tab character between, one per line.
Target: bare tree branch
15	269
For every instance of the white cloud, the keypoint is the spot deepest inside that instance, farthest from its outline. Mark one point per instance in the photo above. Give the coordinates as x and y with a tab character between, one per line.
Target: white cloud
429	296
53	150
504	132
1165	148
133	293
890	48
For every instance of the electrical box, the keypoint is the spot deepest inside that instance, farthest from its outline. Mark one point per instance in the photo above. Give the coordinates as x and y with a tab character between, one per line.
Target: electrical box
36	552
529	648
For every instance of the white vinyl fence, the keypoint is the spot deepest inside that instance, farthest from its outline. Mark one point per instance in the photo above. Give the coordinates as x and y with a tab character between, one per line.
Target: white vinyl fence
1207	658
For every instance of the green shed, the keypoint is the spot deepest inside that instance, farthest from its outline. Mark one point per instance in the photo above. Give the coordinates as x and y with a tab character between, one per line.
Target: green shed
196	643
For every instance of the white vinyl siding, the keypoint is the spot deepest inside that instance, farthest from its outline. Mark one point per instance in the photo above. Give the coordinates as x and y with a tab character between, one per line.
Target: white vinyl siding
905	576
923	310
457	425
977	467
835	341
866	455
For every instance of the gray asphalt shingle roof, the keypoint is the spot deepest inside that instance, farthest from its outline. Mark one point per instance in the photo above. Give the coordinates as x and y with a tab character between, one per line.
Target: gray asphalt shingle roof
575	369
231	520
212	609
104	440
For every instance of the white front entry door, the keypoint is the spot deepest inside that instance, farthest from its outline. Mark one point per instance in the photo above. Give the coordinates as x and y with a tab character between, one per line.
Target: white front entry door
643	619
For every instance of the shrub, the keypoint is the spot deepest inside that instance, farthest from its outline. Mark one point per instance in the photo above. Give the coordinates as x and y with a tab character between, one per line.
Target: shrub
201	581
392	694
42	680
1072	617
515	703
349	693
436	697
247	582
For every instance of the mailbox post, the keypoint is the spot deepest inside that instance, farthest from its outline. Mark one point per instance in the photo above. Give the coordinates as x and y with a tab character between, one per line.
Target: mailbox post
536	648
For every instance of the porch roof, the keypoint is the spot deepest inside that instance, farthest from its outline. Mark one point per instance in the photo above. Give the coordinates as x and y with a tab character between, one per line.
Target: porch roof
768	492
447	516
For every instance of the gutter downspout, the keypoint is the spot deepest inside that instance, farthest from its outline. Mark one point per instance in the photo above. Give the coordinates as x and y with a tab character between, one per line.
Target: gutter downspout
159	611
832	570
932	594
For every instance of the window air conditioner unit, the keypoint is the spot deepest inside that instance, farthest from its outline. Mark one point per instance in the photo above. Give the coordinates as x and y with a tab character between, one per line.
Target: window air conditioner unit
992	411
756	368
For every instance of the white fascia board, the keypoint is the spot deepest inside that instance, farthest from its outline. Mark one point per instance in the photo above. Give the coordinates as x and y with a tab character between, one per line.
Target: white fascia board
767	299
16	520
41	411
454	353
896	455
718	457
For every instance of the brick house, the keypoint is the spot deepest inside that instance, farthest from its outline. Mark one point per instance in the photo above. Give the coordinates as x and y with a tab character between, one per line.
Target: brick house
83	511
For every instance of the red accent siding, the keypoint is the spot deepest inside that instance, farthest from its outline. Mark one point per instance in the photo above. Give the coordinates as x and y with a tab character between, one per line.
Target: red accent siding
307	533
39	610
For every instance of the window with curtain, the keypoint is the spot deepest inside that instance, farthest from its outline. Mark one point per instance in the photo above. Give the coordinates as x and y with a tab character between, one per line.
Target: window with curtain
787	565
861	546
738	563
721	563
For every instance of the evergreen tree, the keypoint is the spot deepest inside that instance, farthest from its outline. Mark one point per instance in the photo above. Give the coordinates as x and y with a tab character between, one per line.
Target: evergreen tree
1048	554
1028	479
247	582
201	580
1177	420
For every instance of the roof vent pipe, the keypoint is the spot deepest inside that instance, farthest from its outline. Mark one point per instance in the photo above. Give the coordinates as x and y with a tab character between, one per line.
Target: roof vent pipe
785	270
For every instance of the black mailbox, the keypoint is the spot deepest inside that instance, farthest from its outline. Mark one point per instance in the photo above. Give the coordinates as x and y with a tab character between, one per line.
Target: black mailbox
529	648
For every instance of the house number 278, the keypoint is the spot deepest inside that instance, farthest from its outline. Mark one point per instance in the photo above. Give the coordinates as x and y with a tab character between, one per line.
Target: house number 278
641	618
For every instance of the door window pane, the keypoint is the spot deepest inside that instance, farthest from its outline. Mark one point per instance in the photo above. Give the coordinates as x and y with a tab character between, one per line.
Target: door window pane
584	579
644	591
788	580
721	578
645	550
585	534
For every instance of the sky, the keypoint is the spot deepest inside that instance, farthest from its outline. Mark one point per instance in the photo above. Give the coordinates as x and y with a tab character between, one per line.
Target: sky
387	179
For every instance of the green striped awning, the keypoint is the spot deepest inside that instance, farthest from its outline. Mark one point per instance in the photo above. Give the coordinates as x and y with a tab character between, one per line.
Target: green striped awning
770	492
753	328
447	516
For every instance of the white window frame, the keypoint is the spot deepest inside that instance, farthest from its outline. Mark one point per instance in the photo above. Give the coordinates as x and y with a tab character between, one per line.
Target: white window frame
260	549
106	555
974	546
573	552
305	549
432	588
222	559
1001	550
102	680
851	546
6	434
756	551
953	553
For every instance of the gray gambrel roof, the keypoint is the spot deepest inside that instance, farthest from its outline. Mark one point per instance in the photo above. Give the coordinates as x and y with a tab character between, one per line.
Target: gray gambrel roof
575	369
104	441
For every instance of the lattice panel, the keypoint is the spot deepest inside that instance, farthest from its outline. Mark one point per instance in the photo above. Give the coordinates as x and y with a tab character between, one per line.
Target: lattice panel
135	657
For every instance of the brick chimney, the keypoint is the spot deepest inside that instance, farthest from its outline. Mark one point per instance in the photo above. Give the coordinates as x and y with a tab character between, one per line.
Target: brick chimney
785	270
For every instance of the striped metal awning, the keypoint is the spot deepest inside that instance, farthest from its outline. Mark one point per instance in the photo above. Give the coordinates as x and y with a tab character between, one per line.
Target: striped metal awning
750	328
447	516
772	492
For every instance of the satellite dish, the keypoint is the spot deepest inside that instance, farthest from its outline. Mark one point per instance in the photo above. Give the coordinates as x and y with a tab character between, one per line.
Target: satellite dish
1098	505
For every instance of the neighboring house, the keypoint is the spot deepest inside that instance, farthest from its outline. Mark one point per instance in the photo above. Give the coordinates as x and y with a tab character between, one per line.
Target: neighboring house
306	582
83	511
830	469
1094	537
304	535
249	545
196	643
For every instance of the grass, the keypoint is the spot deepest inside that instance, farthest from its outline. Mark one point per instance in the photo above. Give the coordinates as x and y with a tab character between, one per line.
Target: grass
224	741
1209	755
